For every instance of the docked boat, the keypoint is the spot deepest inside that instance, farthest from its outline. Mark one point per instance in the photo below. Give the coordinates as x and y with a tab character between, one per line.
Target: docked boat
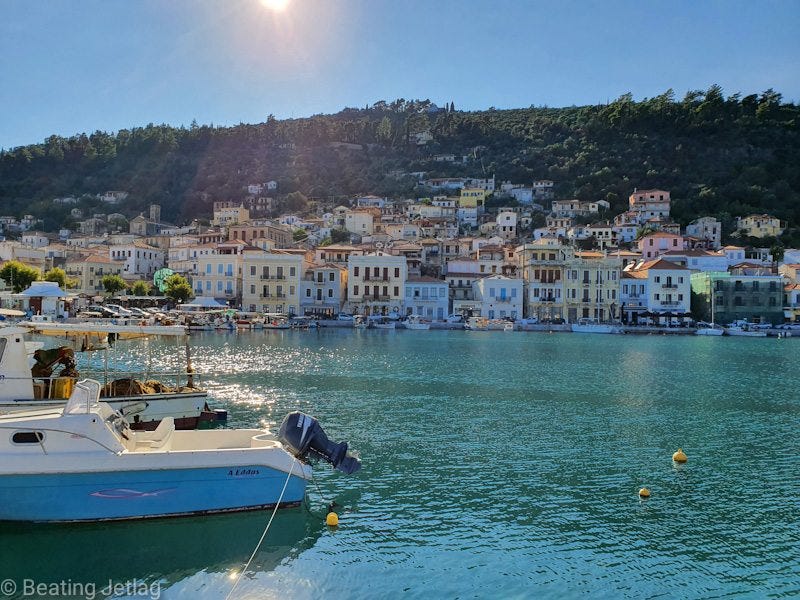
83	463
477	324
592	326
709	329
276	321
384	323
360	322
417	323
143	398
744	331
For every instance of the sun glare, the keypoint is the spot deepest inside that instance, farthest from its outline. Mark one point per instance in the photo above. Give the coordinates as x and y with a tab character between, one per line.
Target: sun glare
276	5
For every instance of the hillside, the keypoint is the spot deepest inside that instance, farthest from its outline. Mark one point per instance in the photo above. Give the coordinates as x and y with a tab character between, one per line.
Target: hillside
723	156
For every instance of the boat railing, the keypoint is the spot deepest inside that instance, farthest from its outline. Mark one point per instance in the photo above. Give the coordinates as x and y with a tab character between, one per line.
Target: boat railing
58	387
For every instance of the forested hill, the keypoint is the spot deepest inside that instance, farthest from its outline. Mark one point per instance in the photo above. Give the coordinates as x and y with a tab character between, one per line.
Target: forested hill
718	155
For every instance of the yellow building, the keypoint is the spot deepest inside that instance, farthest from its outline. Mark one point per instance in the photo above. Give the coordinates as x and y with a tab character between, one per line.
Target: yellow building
759	226
472	197
271	281
543	263
591	286
89	269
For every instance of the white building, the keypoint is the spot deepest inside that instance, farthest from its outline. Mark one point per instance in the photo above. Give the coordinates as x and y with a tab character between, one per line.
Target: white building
506	224
219	272
323	290
137	257
499	296
706	228
667	291
427	297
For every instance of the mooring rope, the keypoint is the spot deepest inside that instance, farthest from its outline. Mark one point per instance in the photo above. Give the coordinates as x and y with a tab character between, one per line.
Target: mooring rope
263	535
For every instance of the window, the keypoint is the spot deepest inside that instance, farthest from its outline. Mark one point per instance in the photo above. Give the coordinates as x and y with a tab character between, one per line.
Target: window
396	291
366	290
252	289
252	271
355	289
219	269
330	276
292	271
330	293
308	292
28	437
355	271
397	272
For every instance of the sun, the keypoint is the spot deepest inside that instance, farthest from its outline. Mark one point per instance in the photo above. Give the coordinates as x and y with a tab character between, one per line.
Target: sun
276	5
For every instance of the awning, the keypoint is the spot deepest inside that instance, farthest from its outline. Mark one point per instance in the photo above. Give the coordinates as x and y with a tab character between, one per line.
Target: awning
44	289
205	302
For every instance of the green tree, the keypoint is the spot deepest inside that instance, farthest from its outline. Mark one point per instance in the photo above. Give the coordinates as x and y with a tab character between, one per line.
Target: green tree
178	288
59	276
340	236
777	252
18	275
298	235
140	288
113	284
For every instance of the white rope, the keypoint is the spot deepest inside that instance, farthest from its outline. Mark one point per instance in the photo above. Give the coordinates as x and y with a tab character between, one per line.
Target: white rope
263	535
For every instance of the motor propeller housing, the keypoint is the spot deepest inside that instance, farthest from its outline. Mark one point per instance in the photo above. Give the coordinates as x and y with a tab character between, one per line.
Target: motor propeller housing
302	435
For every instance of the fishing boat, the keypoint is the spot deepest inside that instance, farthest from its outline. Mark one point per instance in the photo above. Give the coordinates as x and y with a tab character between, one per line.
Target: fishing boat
416	322
276	321
83	463
28	378
477	324
384	323
592	326
360	322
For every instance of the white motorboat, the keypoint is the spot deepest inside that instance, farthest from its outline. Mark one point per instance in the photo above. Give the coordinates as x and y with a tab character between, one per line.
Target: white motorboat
709	329
417	323
384	323
477	324
84	349
744	331
83	463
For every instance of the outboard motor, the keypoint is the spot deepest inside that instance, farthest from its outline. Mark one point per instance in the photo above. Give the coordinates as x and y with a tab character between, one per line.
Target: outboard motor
302	435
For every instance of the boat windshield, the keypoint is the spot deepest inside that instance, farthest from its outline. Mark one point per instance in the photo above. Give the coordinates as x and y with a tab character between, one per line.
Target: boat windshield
84	398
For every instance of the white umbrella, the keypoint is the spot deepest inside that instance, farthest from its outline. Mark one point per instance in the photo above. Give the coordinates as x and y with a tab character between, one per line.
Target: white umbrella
10	312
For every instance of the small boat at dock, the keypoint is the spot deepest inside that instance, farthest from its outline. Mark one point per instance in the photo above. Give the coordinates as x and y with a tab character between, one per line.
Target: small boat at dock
592	326
417	323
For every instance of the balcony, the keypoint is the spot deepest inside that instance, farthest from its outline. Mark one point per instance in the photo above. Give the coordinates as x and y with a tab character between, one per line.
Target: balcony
372	298
670	303
272	296
503	299
272	277
670	286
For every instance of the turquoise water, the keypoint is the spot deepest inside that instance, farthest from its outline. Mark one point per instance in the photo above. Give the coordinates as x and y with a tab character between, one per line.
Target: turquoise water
495	465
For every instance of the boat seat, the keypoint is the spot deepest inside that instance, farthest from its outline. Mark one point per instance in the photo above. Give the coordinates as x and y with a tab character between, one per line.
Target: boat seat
160	437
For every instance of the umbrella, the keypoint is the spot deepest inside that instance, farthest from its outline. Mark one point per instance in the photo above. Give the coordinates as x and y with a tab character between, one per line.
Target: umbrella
10	312
44	289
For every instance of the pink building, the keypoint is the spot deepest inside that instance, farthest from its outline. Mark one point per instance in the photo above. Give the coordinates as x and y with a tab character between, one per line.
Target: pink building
649	203
654	245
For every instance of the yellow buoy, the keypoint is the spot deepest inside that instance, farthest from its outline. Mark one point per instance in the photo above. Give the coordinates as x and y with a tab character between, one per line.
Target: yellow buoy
679	456
332	519
644	493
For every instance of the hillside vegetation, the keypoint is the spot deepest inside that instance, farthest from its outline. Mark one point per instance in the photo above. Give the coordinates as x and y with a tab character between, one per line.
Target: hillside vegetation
718	155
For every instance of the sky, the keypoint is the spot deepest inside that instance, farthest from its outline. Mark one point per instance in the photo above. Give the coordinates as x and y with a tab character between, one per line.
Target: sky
72	66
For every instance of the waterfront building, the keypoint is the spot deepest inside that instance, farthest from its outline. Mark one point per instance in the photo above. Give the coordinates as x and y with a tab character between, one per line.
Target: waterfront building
460	277
337	254
271	281
427	297
745	291
542	263
498	296
591	286
219	272
375	283
698	260
323	290
659	288
791	302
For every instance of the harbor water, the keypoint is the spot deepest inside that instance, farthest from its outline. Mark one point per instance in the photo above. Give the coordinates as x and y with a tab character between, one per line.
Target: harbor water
495	465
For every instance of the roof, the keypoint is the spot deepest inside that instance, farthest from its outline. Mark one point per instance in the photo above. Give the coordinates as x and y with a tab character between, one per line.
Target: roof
660	263
425	279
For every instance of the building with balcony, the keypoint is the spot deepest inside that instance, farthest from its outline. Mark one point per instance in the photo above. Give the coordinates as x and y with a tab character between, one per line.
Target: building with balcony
427	297
137	258
498	296
591	286
655	291
542	265
759	226
271	281
706	228
748	292
89	269
375	283
647	204
323	290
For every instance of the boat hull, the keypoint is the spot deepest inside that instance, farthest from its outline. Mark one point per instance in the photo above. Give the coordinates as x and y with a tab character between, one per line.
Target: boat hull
709	331
120	495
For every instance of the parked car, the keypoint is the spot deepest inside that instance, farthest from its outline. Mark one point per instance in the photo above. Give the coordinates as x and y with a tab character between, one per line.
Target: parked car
120	310
344	317
104	310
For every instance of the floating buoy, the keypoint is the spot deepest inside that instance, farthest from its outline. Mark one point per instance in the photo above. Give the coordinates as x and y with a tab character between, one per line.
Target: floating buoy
679	456
332	520
644	493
